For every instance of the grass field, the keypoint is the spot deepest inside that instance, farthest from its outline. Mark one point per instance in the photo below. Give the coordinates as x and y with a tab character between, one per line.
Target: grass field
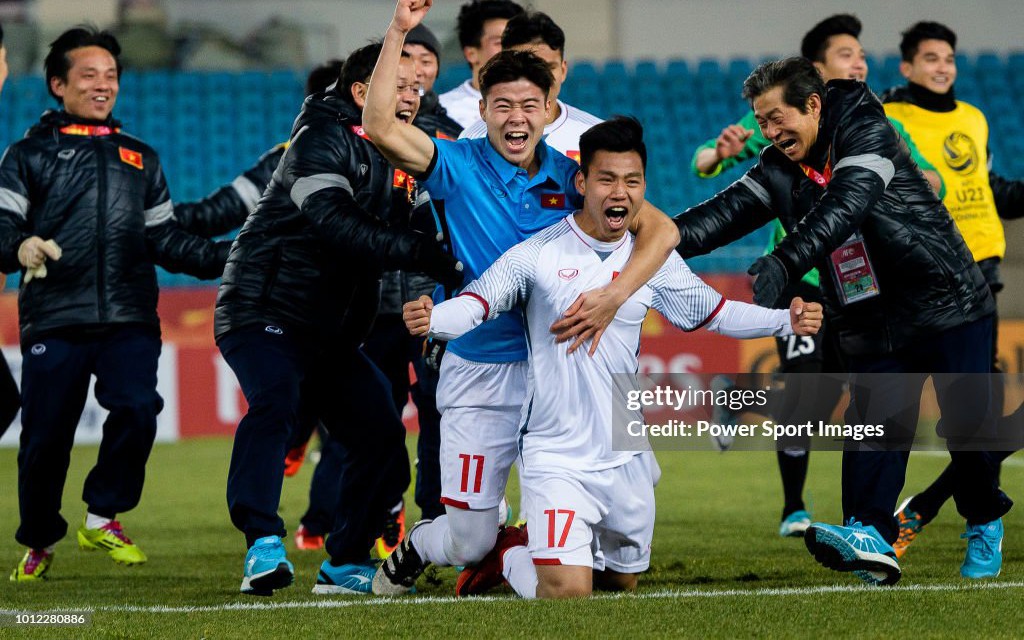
719	568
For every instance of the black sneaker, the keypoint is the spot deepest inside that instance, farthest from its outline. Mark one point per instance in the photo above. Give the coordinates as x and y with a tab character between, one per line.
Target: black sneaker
398	573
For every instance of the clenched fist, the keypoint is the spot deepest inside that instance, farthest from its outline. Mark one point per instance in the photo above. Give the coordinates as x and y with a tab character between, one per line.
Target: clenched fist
416	315
805	317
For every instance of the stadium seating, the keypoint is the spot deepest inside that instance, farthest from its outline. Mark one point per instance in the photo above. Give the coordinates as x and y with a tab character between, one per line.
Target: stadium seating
209	126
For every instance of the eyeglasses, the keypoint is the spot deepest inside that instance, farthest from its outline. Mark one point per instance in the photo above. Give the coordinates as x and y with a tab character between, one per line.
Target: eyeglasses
410	88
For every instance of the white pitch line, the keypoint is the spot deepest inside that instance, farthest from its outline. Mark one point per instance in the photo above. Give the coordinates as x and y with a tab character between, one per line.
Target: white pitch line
655	595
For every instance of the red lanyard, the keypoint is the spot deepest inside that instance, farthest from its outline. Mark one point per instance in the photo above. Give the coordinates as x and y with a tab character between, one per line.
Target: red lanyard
820	179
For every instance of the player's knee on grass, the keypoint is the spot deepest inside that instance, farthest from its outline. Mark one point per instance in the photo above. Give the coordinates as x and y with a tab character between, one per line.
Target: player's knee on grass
609	580
564	581
473	534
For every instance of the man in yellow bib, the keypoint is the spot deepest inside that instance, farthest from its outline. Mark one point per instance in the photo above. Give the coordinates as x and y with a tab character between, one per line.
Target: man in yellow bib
953	136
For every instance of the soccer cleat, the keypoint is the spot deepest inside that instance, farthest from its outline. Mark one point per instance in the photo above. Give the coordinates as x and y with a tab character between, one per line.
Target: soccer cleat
307	541
394	531
984	556
397	574
33	566
910	523
855	548
794	525
266	567
293	460
721	413
487	574
112	539
347	579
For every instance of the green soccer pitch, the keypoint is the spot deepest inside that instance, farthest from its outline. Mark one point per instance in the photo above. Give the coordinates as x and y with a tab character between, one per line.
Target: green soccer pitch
719	568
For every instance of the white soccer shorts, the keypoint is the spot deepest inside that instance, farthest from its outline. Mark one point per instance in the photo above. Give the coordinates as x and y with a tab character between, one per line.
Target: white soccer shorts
600	519
481	407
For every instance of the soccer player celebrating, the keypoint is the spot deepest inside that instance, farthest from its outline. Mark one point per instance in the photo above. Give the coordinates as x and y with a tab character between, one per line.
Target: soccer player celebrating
497	191
591	507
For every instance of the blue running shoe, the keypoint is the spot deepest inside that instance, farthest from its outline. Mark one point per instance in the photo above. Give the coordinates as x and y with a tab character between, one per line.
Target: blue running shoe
266	567
347	579
984	556
855	548
795	524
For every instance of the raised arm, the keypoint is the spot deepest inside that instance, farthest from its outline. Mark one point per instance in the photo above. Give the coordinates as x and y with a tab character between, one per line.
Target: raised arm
404	145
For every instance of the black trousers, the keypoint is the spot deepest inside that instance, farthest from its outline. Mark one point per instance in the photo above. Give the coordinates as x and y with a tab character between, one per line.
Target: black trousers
886	389
279	372
10	397
55	378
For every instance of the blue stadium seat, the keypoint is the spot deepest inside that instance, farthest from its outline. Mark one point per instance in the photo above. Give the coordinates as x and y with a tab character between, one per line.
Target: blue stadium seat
677	69
647	71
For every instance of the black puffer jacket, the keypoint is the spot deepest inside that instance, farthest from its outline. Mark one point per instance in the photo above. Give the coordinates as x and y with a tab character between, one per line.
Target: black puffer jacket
927	279
311	255
101	195
228	207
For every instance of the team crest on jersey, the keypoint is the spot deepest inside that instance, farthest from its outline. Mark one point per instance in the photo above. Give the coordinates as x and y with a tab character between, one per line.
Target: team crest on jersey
553	201
568	274
129	157
960	153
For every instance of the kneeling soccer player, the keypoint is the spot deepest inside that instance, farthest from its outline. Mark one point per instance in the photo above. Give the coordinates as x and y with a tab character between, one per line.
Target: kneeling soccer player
591	507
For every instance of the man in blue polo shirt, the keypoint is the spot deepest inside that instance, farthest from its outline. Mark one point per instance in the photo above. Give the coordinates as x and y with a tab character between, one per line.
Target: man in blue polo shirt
497	191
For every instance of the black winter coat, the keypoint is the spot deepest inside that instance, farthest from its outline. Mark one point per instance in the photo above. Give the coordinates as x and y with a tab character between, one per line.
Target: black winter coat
101	195
311	255
927	278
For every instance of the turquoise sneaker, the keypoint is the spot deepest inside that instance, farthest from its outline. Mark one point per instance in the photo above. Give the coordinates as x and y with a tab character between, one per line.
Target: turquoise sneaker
984	556
855	548
266	567
795	524
348	579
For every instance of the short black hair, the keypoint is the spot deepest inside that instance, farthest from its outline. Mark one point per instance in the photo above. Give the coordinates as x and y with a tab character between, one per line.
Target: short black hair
323	76
57	63
509	66
530	27
815	41
473	15
359	66
913	36
620	134
797	77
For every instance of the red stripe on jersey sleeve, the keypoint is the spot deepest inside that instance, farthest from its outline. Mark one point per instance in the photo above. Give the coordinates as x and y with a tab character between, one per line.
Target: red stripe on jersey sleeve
544	562
487	307
711	316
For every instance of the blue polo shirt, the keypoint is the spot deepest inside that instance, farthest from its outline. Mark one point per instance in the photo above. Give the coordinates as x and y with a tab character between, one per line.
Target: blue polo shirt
491	205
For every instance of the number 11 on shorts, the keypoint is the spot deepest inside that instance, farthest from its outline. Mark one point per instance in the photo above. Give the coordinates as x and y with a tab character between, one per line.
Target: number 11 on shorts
551	514
467	463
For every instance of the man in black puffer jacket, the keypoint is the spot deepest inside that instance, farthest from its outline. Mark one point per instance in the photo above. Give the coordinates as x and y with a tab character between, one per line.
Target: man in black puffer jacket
94	202
298	296
902	293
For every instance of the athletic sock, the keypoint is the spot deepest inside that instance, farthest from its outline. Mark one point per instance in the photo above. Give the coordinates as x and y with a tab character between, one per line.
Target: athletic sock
432	541
93	521
793	469
517	568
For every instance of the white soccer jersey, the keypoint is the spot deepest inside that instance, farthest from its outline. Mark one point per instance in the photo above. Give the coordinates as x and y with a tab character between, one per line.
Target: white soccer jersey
462	104
568	415
563	134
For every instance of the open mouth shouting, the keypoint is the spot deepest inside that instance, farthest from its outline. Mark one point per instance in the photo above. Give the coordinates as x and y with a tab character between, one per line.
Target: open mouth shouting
516	141
404	115
616	217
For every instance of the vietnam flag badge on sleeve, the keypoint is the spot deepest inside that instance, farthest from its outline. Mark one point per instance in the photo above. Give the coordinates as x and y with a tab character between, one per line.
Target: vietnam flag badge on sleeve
133	158
553	201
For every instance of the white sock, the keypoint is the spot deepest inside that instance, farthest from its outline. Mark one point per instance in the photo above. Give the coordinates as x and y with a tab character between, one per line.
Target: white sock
93	521
517	567
429	541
